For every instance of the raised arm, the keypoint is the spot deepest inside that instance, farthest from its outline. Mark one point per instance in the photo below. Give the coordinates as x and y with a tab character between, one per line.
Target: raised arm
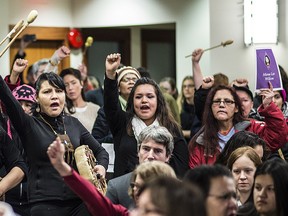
116	117
18	67
14	110
56	58
201	95
197	73
95	201
274	131
111	64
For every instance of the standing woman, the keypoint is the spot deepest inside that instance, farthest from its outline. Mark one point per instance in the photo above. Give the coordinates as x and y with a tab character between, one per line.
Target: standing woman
146	106
223	117
48	194
85	112
186	106
271	188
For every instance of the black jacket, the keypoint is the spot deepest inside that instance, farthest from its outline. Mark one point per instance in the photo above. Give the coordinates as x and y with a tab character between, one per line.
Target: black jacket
125	146
101	131
44	182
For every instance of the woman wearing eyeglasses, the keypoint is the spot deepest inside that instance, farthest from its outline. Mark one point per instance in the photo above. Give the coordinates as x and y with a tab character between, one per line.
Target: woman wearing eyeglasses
223	116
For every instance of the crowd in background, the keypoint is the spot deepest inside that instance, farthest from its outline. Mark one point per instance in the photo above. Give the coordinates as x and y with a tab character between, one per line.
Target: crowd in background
211	148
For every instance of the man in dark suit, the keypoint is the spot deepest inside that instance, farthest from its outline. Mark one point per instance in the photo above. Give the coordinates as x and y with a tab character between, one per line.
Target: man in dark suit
155	143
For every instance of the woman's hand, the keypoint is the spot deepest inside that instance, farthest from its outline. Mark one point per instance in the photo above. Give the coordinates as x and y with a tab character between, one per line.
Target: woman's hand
83	70
55	153
267	95
196	55
208	82
63	52
100	170
111	64
18	67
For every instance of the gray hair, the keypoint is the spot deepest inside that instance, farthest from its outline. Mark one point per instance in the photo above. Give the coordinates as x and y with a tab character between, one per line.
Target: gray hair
158	134
36	65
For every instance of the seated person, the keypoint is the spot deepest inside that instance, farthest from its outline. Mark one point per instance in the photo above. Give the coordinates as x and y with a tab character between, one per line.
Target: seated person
155	143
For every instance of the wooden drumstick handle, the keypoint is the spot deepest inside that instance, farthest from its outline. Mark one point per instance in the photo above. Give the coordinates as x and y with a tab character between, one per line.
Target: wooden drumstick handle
15	29
31	17
228	42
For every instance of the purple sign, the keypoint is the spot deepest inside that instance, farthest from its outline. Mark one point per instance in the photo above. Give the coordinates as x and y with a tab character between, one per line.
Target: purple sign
267	70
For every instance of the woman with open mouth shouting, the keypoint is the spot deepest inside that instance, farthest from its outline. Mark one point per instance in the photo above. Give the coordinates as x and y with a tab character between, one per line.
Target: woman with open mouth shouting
145	106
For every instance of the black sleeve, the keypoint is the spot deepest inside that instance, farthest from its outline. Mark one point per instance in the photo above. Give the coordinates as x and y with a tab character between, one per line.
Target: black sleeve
101	131
180	157
115	116
11	154
199	101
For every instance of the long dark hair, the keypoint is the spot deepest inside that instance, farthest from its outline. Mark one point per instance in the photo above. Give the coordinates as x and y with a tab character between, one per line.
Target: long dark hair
278	170
76	73
210	123
55	81
241	139
162	113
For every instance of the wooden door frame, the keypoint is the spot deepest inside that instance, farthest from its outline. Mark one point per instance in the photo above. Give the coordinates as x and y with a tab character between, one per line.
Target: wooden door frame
48	33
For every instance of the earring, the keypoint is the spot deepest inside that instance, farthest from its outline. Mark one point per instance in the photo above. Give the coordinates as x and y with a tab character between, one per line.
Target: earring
38	108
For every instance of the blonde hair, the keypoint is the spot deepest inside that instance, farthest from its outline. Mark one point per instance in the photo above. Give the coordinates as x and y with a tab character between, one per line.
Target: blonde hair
149	170
181	98
247	151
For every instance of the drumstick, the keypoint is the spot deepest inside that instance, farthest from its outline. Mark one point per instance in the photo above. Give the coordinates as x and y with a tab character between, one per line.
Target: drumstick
88	43
228	42
30	18
15	29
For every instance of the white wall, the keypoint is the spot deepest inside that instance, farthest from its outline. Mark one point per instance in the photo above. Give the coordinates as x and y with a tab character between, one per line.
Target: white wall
50	13
56	13
191	18
236	60
199	23
103	13
192	31
4	60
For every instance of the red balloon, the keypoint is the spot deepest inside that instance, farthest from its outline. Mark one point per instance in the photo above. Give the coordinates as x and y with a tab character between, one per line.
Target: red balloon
75	38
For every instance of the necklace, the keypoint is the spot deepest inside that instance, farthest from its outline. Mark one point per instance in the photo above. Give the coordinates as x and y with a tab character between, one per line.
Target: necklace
69	148
50	125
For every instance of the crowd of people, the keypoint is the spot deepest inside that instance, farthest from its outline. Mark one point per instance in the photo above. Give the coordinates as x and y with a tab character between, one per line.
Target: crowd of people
213	148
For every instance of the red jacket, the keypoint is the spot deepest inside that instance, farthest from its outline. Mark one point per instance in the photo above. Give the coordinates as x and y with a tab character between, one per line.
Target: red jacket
273	131
97	204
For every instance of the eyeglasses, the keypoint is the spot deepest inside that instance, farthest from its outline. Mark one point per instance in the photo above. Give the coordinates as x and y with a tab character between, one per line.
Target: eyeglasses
225	197
128	79
227	102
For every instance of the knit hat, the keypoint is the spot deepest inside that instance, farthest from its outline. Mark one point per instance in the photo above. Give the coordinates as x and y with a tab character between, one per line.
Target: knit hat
245	89
25	93
126	70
